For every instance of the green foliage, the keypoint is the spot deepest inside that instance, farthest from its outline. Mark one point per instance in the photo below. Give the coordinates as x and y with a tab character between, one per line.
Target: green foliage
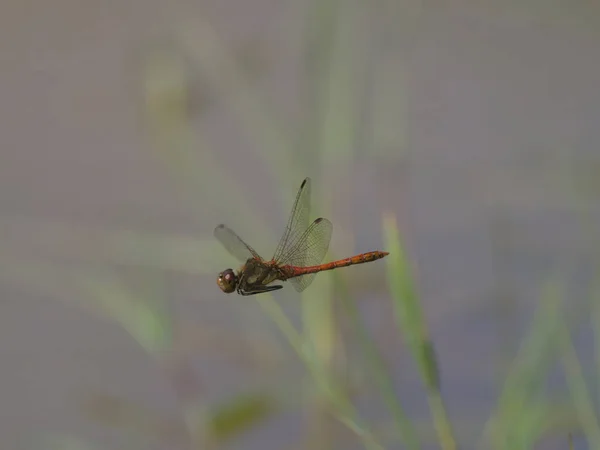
244	412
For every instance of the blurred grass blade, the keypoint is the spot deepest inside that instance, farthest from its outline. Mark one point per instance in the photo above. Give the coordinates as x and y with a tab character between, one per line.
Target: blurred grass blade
317	40
579	391
407	307
342	407
525	381
167	91
209	53
61	239
244	412
570	441
319	326
528	429
430	369
331	119
338	113
148	322
376	364
411	322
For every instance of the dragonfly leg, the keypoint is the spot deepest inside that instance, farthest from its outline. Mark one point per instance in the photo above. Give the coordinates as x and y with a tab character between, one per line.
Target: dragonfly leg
260	290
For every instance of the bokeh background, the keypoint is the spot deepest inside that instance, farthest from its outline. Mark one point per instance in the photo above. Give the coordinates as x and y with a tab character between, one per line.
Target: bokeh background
460	136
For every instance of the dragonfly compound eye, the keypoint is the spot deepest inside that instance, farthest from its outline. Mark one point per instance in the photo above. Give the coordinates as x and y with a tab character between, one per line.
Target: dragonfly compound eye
227	281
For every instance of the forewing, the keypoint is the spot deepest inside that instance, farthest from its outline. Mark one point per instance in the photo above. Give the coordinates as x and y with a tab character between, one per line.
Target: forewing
298	221
234	244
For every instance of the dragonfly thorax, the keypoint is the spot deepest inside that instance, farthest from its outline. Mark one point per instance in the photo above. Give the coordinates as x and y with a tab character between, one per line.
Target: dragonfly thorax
227	281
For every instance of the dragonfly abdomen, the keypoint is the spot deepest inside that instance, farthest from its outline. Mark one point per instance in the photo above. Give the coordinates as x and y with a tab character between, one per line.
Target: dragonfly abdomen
358	259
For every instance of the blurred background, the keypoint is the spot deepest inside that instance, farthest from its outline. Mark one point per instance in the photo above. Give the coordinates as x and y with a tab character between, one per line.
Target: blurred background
465	134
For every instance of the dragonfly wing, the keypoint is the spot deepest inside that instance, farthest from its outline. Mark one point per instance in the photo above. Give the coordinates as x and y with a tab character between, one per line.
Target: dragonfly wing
234	244
302	282
309	250
298	221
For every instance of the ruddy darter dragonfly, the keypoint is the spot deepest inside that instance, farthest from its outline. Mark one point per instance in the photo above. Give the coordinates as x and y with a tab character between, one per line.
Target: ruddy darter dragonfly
297	258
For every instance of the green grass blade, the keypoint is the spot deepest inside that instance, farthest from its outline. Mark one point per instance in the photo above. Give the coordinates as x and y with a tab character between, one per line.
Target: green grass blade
407	307
147	320
376	364
579	391
570	441
343	409
232	418
525	381
410	320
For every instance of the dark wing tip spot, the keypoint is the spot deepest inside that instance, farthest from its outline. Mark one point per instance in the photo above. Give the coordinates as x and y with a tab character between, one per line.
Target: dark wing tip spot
320	219
304	182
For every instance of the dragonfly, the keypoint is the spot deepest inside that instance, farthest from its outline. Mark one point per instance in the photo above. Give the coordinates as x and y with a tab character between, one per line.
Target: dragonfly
297	258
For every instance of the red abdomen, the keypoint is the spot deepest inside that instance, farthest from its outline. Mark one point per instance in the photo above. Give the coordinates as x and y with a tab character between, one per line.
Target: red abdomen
295	271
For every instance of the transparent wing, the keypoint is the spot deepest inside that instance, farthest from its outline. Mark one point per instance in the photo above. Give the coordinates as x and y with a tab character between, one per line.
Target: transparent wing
297	223
234	244
309	250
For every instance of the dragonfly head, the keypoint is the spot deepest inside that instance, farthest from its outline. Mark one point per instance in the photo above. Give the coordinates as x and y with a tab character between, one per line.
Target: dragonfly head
227	281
